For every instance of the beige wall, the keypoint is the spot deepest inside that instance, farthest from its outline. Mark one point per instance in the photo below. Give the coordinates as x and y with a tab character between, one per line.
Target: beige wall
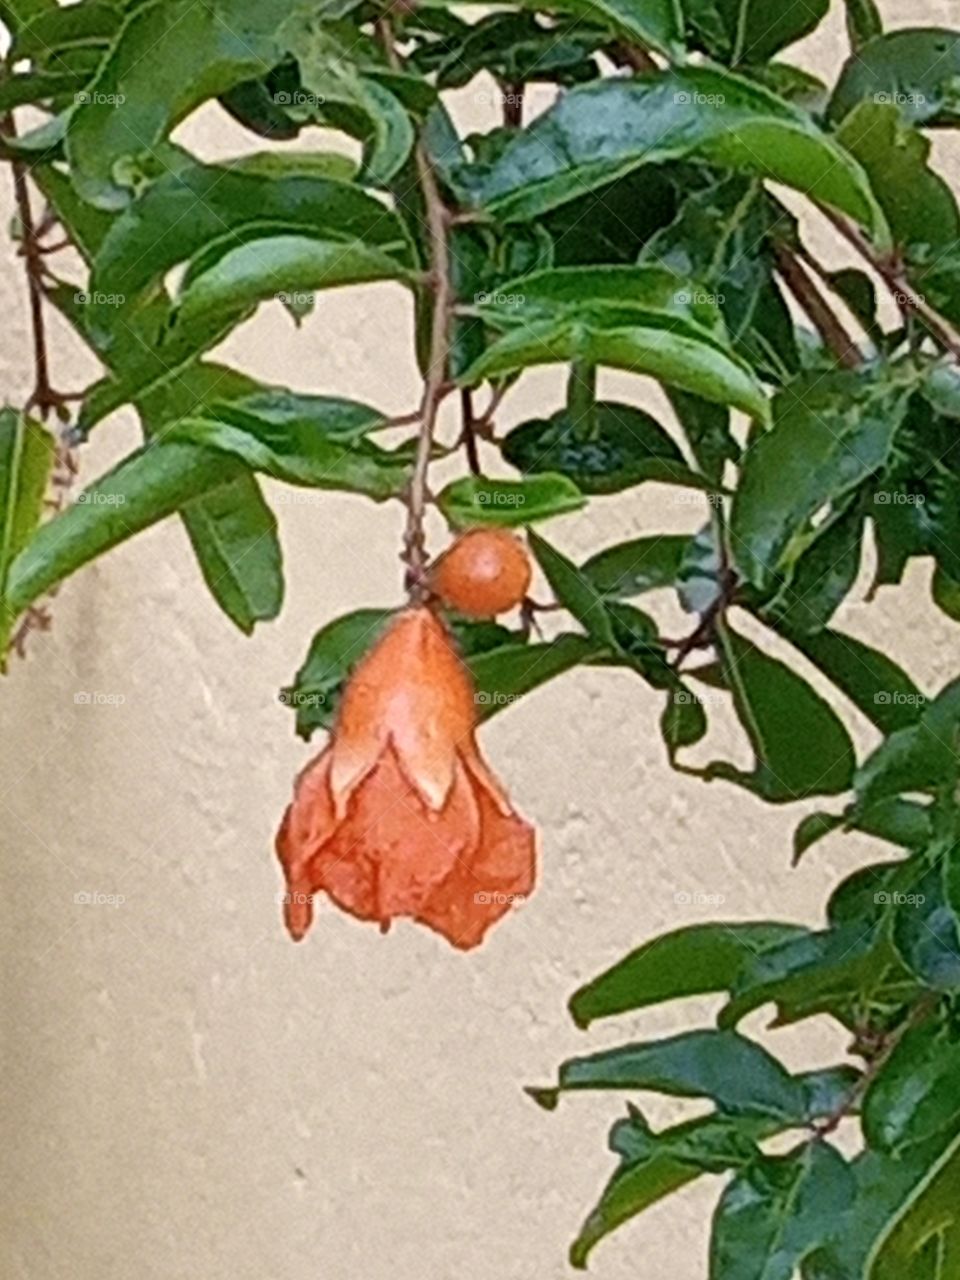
185	1092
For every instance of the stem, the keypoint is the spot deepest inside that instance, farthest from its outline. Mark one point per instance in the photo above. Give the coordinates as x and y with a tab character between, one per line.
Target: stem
893	277
435	381
512	94
469	435
804	288
633	56
43	397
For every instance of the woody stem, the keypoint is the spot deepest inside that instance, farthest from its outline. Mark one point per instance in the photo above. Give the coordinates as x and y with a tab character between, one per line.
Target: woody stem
435	380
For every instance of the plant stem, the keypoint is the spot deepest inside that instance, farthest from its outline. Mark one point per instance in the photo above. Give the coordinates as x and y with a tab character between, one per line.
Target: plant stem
435	380
469	433
893	277
804	288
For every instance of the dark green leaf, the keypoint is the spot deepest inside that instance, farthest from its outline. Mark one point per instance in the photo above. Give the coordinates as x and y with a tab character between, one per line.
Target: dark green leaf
926	930
914	69
914	1095
923	1239
504	675
920	757
821	577
683	721
695	960
737	1074
800	744
777	1211
631	568
830	433
477	500
170	56
617	447
863	22
145	487
880	689
598	132
574	591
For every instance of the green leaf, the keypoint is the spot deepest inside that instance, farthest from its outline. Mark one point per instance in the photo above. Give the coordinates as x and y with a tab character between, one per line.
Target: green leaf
917	202
919	757
915	69
476	500
926	930
946	594
831	971
334	651
751	31
631	568
599	132
777	1211
821	577
830	432
575	592
695	960
170	56
617	447
145	487
800	744
314	441
232	529
863	23
27	452
879	688
735	1073
914	1095
657	1165
707	429
505	674
683	721
643	319
657	24
233	533
184	211
923	1239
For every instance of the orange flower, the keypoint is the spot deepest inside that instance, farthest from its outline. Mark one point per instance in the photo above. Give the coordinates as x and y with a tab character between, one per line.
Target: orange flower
399	815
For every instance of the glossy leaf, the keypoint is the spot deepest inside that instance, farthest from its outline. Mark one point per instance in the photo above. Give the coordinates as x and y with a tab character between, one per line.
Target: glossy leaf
880	689
830	433
735	1073
477	500
572	590
923	1239
914	1095
695	960
919	757
503	675
914	69
599	132
170	56
800	744
631	568
777	1211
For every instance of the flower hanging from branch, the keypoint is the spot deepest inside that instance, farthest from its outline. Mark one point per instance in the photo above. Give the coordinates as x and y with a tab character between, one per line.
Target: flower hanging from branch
400	815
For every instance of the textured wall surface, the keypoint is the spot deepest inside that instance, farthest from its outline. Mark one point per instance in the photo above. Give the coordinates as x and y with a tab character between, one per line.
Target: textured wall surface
186	1093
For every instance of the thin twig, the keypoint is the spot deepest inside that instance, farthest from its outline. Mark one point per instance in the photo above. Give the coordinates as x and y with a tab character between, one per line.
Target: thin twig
896	281
804	288
633	56
468	432
435	381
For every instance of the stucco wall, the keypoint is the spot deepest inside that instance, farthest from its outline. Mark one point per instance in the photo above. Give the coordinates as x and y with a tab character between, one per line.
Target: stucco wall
186	1093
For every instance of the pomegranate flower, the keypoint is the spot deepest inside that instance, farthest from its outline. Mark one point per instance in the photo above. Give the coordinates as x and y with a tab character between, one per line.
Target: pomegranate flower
399	815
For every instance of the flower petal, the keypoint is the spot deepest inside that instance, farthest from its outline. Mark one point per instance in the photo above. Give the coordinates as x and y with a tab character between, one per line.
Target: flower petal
482	889
411	691
392	851
307	824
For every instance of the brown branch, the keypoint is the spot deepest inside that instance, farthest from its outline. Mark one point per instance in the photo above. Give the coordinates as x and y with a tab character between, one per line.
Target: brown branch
804	288
896	281
435	380
469	432
633	56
